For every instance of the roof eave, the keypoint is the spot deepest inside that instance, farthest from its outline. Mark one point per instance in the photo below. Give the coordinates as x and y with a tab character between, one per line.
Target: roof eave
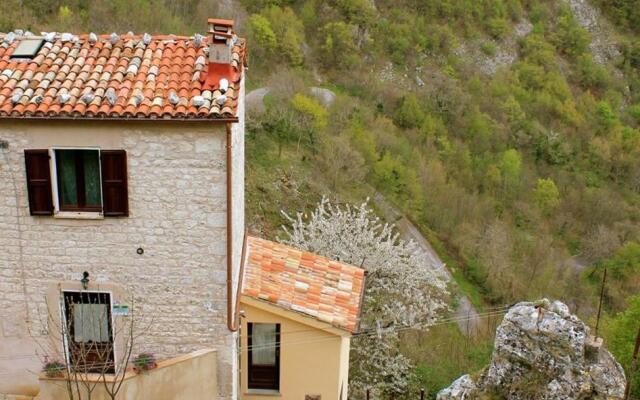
121	119
297	316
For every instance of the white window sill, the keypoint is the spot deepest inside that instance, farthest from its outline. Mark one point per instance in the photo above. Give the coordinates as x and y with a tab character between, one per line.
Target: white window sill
78	215
263	392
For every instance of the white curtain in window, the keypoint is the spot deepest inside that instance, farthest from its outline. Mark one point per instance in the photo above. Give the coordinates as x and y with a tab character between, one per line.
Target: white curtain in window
263	344
90	323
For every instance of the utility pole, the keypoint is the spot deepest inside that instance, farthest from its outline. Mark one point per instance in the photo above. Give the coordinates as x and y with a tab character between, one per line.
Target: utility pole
604	281
634	365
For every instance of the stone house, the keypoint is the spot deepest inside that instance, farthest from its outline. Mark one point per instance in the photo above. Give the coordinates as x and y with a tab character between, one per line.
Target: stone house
121	181
122	194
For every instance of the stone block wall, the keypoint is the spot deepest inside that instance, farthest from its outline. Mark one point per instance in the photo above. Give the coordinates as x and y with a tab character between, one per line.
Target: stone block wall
177	202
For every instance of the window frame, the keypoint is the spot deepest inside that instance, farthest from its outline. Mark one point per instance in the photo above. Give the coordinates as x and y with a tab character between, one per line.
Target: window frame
251	385
63	320
58	208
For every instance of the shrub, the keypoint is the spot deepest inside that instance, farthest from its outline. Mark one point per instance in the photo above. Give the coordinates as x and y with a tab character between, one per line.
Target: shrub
145	362
589	73
53	369
498	27
634	112
488	48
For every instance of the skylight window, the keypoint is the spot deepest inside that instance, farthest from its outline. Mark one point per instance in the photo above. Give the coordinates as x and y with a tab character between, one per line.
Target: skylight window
27	48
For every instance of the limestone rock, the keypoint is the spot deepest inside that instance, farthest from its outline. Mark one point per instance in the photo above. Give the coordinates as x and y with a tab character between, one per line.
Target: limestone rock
325	96
462	388
543	352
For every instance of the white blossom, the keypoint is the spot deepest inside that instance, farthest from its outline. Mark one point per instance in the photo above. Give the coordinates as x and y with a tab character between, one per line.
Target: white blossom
402	290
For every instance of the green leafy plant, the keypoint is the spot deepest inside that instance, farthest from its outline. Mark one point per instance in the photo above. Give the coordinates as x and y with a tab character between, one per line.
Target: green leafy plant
53	369
144	362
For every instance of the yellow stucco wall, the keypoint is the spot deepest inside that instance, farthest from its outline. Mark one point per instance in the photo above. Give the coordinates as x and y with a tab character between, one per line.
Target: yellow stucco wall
314	357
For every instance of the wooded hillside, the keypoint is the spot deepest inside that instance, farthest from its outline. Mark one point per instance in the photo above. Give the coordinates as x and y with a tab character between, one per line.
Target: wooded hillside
508	130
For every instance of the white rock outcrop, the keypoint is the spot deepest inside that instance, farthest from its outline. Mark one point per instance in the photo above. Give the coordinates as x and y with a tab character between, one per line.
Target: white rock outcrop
543	352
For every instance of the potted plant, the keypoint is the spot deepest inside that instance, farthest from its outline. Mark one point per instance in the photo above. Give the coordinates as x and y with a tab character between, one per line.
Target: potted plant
144	362
53	369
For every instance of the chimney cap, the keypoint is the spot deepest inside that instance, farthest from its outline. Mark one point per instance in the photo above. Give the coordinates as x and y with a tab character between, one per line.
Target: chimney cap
218	21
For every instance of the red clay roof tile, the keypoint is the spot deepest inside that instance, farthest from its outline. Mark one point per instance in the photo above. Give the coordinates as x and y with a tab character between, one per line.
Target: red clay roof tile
129	68
303	282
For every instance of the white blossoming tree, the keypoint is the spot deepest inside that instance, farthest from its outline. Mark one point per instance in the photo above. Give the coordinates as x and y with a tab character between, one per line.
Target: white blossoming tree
402	288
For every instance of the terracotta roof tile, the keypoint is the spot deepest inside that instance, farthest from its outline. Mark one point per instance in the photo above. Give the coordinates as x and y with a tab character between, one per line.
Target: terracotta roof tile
141	78
304	282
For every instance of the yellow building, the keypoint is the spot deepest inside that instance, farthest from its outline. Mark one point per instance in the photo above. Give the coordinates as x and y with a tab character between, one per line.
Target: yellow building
299	312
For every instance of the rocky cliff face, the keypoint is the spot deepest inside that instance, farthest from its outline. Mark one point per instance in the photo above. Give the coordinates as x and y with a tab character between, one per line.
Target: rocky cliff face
543	352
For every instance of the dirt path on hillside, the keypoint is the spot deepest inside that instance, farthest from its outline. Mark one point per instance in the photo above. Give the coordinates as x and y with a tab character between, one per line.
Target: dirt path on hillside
466	315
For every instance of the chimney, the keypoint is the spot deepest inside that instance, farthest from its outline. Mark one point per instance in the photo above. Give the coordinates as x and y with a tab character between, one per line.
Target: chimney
220	40
221	70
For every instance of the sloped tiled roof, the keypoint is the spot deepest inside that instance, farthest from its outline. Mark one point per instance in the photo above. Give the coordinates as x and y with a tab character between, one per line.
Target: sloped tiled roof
301	281
111	76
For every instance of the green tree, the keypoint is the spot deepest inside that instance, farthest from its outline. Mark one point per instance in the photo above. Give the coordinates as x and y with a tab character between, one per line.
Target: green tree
262	36
621	336
360	12
339	49
546	195
625	262
409	114
570	37
289	31
511	169
605	117
313	117
498	27
625	12
311	108
589	73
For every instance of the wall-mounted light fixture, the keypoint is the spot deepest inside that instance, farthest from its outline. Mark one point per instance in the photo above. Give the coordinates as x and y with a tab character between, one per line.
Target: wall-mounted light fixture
85	280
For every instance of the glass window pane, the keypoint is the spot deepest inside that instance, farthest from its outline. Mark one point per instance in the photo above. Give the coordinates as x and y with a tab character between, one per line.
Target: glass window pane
91	177
90	323
263	344
66	164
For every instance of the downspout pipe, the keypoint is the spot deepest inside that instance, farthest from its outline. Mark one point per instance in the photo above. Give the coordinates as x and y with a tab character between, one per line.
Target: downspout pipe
229	149
233	313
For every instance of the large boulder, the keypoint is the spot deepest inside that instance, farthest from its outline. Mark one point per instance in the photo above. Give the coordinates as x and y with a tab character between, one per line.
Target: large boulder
544	352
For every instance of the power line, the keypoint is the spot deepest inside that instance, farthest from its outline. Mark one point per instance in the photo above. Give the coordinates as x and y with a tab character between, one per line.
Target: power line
399	328
487	310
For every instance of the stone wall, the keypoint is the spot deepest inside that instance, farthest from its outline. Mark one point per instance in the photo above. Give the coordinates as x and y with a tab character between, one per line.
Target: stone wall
177	201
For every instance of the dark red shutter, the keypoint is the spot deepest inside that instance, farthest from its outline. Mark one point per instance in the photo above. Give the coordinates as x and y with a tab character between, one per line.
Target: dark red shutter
115	193
39	182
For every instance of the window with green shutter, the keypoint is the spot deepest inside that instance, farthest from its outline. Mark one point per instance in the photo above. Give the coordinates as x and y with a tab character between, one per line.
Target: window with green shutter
79	186
77	180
